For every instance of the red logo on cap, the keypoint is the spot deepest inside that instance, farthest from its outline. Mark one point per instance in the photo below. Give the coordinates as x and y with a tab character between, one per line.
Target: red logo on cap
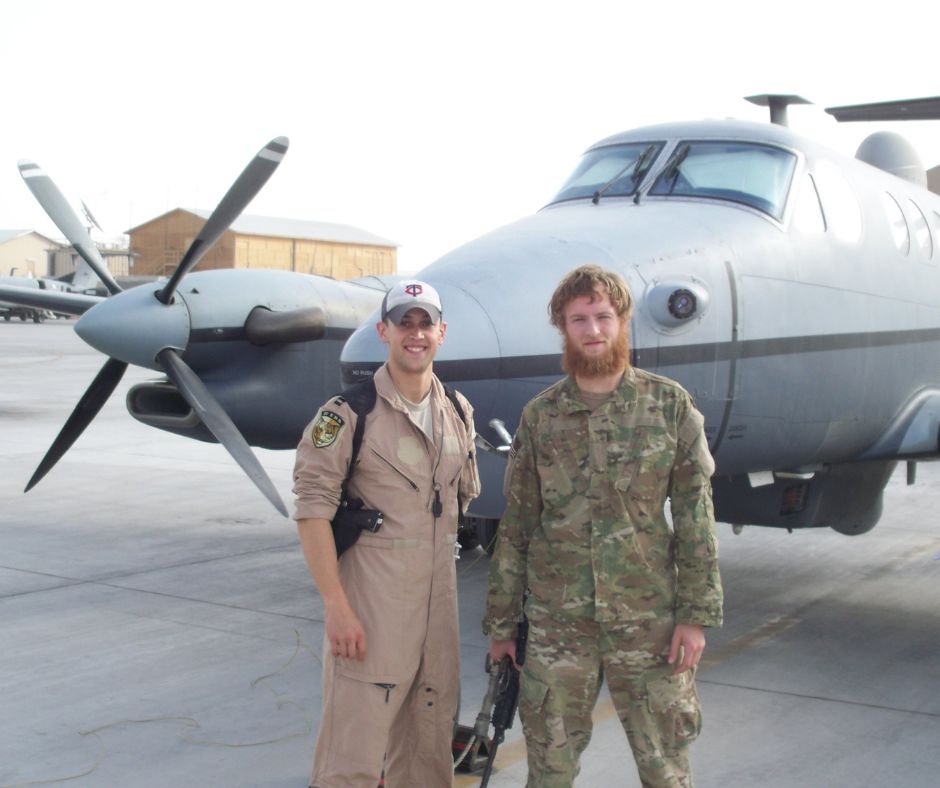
414	290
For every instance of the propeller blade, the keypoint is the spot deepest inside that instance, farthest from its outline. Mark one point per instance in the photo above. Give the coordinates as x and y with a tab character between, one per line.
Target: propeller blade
86	410
61	213
218	422
242	192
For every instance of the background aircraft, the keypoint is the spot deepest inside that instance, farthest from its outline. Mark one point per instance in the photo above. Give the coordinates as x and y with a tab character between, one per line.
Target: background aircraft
9	310
791	289
84	280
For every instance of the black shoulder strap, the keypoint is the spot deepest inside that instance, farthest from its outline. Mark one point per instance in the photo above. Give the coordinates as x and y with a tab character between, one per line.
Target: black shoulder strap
452	396
361	398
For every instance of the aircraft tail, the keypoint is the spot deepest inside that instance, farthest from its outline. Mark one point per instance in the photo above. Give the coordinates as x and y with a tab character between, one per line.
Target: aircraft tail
84	278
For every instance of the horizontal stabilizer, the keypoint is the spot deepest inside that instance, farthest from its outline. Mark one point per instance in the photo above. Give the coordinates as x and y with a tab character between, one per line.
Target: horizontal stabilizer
904	109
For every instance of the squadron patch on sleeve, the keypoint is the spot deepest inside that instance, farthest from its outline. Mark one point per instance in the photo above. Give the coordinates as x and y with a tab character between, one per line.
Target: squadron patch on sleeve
326	429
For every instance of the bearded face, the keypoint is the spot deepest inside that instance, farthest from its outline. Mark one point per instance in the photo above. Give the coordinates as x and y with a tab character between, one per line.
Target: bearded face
597	363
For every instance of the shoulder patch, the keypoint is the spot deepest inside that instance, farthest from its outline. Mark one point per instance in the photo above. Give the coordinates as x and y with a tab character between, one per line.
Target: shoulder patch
326	429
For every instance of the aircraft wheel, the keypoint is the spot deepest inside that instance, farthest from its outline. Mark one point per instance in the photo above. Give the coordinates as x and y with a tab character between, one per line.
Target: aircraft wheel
23	318
467	537
7	318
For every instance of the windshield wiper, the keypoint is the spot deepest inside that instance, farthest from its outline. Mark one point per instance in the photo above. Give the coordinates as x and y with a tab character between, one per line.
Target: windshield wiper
671	169
640	168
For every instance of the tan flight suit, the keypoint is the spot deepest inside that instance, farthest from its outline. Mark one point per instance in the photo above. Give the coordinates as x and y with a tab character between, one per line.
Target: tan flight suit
401	583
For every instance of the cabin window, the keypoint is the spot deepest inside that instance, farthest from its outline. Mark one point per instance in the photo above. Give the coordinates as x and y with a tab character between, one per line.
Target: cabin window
614	170
840	205
921	232
744	172
807	213
898	224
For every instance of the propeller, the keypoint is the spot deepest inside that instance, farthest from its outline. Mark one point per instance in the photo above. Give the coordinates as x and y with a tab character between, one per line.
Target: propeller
244	189
58	209
86	410
218	422
169	356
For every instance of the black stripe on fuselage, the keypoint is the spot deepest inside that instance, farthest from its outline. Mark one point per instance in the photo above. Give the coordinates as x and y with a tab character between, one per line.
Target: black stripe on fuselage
237	334
549	364
705	353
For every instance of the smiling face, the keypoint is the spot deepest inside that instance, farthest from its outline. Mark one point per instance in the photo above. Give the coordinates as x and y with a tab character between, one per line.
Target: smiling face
412	342
595	337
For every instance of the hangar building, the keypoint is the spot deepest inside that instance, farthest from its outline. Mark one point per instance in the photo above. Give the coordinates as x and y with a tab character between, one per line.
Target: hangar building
24	253
336	250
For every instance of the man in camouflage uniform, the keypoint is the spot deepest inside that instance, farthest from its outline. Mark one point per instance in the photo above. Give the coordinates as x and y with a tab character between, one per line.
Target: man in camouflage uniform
614	591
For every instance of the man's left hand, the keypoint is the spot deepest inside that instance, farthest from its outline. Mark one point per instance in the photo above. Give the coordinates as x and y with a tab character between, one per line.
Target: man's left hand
688	640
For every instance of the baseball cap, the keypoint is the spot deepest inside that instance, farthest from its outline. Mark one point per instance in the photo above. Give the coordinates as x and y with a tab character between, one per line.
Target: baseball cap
410	294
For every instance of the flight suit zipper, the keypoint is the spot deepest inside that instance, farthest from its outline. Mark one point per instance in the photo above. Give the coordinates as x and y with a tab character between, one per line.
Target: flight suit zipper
395	468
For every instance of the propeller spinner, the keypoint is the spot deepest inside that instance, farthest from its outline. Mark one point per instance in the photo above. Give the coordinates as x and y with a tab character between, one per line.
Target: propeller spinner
166	316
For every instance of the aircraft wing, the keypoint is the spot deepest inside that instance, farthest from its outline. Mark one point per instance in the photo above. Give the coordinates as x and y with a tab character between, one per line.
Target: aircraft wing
53	300
906	109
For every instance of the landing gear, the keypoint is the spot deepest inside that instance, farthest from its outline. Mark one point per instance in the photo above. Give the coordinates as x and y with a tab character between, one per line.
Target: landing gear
476	532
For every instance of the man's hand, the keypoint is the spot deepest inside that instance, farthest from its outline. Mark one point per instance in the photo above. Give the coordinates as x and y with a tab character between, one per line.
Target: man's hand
346	636
688	640
502	648
344	632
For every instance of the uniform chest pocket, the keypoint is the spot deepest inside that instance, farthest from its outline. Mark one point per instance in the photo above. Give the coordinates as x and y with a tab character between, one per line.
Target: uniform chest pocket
645	462
564	466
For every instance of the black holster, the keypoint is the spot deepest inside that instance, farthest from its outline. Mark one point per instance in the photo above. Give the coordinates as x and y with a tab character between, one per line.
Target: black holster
351	520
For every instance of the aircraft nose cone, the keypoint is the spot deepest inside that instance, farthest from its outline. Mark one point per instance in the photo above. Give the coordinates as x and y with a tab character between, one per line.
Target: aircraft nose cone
133	326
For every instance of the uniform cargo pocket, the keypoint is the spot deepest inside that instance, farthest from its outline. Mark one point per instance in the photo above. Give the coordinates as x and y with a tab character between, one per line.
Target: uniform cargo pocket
674	705
532	692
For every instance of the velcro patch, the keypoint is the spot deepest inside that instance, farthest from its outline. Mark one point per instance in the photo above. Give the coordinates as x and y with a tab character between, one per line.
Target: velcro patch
326	429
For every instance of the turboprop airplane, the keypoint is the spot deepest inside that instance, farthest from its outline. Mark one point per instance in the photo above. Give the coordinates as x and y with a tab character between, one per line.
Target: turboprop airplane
792	290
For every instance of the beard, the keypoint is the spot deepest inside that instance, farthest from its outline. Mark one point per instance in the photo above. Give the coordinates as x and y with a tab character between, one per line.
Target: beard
614	360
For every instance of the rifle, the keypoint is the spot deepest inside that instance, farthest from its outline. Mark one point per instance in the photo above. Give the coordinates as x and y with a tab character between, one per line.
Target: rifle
504	689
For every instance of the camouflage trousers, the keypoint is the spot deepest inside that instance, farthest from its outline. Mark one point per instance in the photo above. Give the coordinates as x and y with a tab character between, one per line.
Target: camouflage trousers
566	661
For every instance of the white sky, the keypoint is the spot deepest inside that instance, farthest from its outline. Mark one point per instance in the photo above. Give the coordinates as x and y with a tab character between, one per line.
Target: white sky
428	123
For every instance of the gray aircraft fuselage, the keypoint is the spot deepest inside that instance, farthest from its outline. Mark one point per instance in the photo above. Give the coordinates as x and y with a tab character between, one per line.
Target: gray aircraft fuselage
792	290
818	342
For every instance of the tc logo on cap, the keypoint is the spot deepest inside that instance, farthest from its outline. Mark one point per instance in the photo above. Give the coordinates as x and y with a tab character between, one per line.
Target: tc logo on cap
414	290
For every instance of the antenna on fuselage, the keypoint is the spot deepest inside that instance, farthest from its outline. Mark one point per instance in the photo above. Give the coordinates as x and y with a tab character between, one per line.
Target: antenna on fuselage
778	104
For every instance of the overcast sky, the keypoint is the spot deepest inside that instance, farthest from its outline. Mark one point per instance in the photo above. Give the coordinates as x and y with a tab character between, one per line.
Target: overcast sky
428	123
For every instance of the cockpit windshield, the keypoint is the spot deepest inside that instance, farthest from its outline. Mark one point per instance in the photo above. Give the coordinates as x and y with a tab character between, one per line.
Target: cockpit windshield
610	171
750	173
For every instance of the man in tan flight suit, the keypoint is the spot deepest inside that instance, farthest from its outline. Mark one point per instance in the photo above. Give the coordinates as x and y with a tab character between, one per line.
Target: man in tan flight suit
391	646
616	592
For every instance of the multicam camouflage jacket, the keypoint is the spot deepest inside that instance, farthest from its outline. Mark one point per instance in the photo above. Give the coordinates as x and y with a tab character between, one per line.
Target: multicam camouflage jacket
585	529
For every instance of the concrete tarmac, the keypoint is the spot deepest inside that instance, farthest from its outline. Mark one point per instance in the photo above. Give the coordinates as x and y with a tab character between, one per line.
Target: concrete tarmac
159	627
